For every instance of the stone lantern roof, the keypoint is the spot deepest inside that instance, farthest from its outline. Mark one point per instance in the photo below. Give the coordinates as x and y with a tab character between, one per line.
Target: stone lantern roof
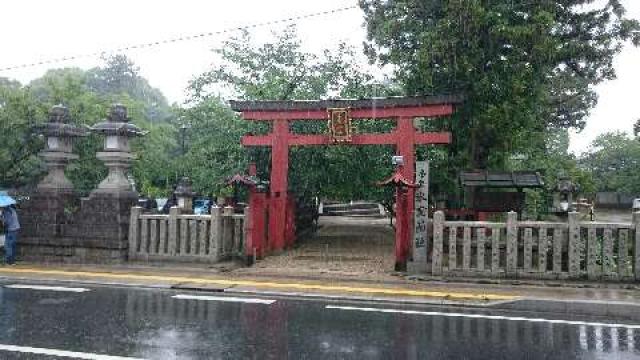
58	124
184	188
117	123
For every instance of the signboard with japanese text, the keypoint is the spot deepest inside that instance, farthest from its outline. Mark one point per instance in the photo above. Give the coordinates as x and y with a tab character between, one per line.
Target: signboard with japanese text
340	125
421	212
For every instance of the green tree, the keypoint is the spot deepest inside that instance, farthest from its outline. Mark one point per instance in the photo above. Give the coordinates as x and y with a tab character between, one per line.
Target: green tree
281	70
524	66
614	160
18	146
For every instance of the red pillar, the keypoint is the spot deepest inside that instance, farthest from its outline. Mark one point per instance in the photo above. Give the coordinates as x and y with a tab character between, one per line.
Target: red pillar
405	147
256	241
291	221
279	184
403	228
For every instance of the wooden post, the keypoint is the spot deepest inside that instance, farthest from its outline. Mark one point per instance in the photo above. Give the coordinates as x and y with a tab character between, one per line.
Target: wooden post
636	245
512	243
173	230
215	234
574	245
134	231
438	231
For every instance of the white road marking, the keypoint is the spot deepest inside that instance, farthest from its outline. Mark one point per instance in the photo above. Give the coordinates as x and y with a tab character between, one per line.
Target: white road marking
481	316
49	288
62	353
225	299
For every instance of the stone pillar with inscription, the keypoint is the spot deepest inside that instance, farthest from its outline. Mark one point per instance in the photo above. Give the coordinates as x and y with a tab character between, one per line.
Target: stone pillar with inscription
421	233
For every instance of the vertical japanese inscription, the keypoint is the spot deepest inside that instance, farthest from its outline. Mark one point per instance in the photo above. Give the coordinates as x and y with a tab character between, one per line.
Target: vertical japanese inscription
421	212
340	128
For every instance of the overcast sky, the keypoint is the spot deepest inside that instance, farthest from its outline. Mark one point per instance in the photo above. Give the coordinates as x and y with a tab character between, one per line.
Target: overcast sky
33	30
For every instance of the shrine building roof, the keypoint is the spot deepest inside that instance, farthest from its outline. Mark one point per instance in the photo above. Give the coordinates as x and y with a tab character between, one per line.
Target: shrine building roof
386	102
514	179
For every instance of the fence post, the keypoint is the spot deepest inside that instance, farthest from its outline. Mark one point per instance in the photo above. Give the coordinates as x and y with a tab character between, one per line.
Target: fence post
512	243
215	233
636	245
248	237
227	231
173	230
438	231
134	234
574	245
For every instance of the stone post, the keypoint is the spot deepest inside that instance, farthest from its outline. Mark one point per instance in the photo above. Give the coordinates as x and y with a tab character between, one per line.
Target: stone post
134	232
215	235
636	245
438	233
184	195
574	245
227	225
512	243
174	231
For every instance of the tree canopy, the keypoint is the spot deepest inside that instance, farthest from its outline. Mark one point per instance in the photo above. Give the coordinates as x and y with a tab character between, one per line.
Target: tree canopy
524	67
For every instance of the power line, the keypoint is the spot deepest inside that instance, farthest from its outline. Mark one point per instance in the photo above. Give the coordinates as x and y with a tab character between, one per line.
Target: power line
178	39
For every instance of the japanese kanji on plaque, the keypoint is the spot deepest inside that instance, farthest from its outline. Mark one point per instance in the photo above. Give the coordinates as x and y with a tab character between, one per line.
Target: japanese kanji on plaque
339	125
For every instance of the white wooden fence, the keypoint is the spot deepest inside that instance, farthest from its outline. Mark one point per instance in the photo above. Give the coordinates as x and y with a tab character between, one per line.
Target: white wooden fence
526	249
186	237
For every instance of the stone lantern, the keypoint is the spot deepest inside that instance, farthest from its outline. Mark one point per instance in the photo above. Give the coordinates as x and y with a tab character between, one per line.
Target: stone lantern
116	154
58	152
563	195
184	195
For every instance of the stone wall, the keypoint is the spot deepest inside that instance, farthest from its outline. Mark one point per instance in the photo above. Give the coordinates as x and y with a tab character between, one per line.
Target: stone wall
59	227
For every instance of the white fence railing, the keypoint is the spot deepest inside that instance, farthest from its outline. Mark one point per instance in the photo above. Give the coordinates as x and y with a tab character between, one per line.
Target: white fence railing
526	249
186	237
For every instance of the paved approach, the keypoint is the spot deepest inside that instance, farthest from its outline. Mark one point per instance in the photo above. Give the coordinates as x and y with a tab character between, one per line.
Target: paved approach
51	321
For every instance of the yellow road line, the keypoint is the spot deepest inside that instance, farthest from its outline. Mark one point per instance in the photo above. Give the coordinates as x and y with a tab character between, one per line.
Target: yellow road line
266	284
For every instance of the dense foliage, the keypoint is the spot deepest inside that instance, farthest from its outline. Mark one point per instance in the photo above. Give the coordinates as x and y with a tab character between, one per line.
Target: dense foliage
526	68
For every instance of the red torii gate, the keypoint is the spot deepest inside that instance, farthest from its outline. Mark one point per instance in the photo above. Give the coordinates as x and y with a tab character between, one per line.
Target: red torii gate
405	137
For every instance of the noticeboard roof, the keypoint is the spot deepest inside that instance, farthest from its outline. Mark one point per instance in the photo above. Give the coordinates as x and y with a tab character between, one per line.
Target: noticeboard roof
514	179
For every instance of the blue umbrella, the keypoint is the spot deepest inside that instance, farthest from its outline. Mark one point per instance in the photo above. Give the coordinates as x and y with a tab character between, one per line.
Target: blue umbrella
5	199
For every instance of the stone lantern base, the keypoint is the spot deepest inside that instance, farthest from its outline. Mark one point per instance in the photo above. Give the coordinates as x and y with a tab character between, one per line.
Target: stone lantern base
62	228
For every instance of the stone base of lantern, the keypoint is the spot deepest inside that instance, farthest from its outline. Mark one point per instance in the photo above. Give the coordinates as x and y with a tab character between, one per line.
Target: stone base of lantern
62	228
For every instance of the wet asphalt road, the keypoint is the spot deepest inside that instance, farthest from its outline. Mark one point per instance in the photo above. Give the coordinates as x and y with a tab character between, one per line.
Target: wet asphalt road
151	324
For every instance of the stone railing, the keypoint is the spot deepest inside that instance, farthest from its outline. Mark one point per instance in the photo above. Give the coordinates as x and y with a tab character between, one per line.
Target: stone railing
526	249
186	237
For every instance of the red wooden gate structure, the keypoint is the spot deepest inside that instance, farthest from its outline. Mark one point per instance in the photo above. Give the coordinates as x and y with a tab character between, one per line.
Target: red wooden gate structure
339	114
